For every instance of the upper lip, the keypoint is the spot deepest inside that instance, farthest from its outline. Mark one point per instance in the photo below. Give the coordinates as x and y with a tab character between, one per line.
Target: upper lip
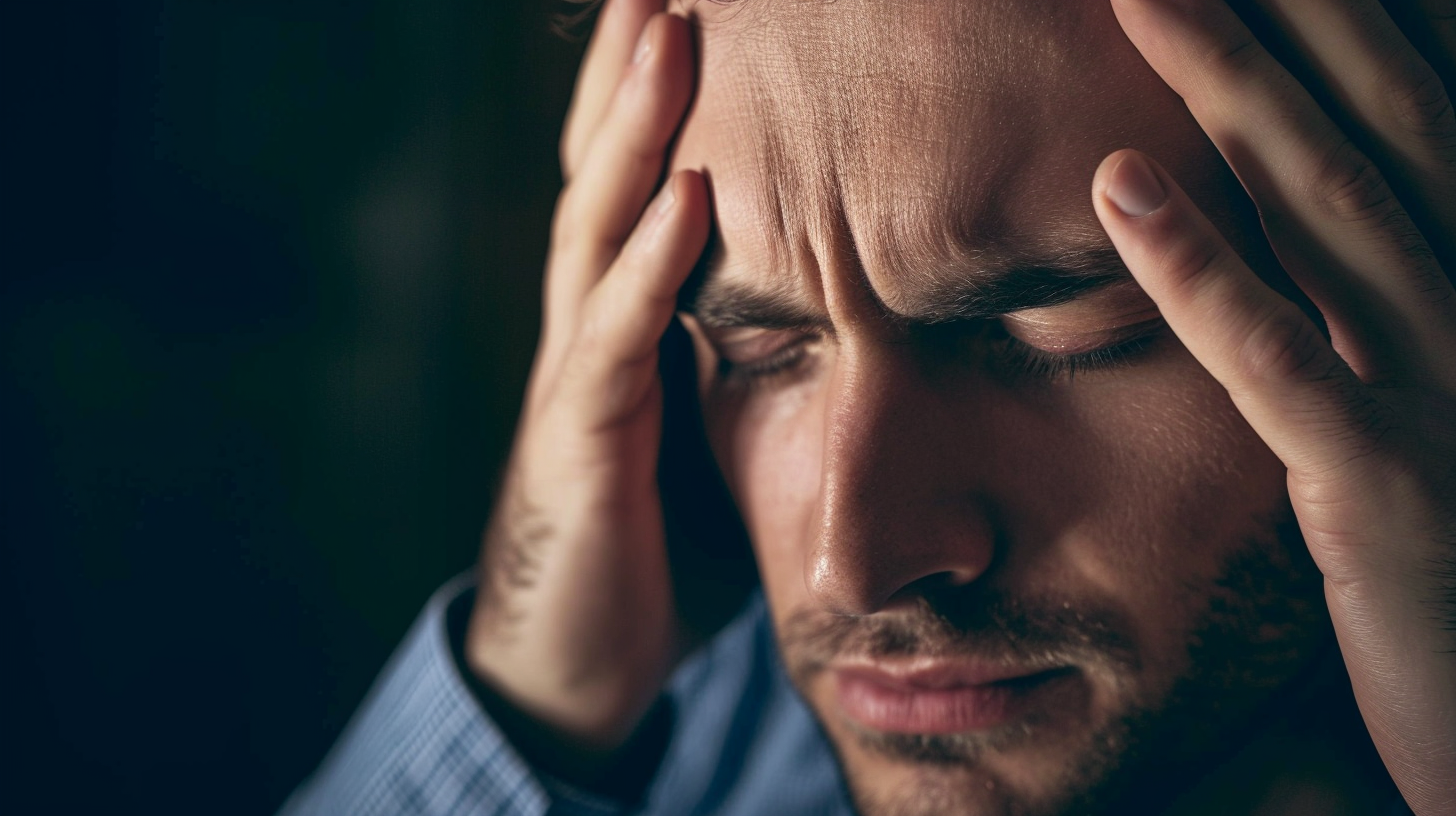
934	674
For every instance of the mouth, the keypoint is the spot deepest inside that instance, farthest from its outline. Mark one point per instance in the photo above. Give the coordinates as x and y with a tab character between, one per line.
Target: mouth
942	698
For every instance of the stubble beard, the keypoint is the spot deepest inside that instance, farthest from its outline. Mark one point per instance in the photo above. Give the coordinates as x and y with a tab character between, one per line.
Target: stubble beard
1263	623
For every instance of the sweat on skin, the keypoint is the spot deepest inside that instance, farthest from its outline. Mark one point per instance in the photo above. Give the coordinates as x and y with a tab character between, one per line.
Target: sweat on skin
869	163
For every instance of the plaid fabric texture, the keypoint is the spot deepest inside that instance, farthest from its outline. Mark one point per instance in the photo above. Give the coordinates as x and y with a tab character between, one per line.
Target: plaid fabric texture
420	743
743	743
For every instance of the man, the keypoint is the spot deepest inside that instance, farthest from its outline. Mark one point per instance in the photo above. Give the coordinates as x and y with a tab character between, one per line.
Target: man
1057	507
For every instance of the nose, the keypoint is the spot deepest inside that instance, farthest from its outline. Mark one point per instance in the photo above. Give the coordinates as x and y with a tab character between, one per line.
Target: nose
902	504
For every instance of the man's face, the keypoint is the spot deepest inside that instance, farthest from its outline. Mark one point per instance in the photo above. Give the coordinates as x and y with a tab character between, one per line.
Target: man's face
1019	548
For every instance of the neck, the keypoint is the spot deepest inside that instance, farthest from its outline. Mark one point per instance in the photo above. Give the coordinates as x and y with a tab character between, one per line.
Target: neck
1310	753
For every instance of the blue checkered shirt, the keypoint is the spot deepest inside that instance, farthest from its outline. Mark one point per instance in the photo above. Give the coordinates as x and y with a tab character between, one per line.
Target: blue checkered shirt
742	742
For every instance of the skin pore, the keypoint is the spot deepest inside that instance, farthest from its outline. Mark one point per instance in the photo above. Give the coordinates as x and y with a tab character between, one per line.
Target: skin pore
955	429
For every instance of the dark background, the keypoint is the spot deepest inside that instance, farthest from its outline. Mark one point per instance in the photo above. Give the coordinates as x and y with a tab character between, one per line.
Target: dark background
269	291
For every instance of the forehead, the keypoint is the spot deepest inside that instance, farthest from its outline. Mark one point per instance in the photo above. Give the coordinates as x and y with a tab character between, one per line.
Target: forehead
903	142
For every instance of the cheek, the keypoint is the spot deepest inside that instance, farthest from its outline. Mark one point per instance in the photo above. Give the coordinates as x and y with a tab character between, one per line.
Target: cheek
770	448
1183	464
1170	485
1135	487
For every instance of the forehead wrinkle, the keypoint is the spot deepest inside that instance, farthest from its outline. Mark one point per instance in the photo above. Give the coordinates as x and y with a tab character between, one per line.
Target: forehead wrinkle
759	236
885	153
934	155
792	181
930	237
859	113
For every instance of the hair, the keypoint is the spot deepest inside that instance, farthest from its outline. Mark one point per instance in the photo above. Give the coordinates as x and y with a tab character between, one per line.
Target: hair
575	22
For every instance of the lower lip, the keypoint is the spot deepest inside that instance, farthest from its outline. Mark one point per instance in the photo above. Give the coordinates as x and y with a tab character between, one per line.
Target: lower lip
898	709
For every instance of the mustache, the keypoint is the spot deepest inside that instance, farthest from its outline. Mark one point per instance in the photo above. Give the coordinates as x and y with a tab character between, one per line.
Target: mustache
989	627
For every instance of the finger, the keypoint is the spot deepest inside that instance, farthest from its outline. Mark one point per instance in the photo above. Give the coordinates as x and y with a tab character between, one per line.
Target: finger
598	209
615	350
606	60
1442	17
1391	93
1330	215
1431	25
1281	373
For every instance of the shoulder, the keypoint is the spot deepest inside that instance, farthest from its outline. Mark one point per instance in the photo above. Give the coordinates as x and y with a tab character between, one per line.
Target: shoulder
420	743
743	740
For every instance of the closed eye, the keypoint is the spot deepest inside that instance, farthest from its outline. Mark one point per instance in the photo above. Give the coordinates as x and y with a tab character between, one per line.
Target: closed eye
769	357
756	356
1021	358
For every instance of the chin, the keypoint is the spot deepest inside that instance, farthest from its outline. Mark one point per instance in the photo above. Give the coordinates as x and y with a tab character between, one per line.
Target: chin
1053	747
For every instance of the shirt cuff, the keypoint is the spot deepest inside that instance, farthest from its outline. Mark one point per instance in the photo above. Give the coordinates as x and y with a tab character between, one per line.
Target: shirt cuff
421	744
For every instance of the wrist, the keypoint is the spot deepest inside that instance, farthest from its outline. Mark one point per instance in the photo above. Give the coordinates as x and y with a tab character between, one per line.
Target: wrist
611	761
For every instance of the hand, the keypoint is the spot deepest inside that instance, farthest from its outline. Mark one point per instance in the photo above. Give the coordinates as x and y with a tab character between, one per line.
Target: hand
1361	214
573	628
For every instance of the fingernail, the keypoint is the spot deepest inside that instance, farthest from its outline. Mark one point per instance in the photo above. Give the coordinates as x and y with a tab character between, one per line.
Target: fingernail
644	44
1135	188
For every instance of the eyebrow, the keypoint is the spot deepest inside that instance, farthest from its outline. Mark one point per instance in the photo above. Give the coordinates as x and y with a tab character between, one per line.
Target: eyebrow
996	286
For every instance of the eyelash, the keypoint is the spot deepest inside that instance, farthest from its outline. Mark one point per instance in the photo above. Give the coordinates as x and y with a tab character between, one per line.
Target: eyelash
1021	359
781	364
1013	357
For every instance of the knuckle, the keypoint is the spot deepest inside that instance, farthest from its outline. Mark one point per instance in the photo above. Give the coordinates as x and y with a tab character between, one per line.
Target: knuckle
565	214
591	332
1351	188
566	234
567	154
1369	422
1419	100
1239	55
575	230
1359	431
566	146
585	365
1419	268
1282	345
1191	261
560	222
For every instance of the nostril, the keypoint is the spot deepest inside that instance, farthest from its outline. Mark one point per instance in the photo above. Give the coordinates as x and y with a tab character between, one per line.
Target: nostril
938	584
858	576
843	587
